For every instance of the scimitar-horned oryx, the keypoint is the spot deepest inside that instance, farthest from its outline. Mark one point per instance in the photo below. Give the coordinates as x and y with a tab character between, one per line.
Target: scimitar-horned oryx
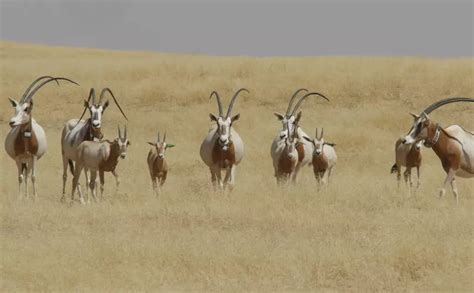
223	149
77	130
26	141
408	156
453	145
157	164
290	122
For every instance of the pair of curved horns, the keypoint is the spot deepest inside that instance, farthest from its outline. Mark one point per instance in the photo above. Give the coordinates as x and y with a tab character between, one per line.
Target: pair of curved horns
30	91
93	97
322	134
232	101
164	137
446	101
120	132
301	100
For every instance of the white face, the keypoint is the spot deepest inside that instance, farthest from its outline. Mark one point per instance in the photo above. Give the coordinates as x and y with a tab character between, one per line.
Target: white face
418	131
290	144
123	146
318	146
22	113
96	115
288	124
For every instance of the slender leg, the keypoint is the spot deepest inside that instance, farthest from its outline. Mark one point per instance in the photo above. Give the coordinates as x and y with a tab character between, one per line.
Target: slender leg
227	176
213	178
102	181
455	190
217	171
399	176
418	183
295	173
65	163
117	180
408	182
405	177
155	185
449	178
329	175
318	180
163	178
75	182
27	174
92	185
230	177
20	178
33	176
86	171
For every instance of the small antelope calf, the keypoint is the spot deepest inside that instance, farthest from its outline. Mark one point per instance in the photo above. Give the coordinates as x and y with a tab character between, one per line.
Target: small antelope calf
409	156
99	156
285	158
157	163
324	158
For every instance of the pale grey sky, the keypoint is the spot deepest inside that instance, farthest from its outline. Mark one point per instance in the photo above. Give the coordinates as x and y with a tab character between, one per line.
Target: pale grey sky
257	28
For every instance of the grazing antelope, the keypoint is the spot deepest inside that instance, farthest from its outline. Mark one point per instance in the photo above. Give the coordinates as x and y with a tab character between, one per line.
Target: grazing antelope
99	156
290	123
453	145
157	164
26	140
285	159
324	158
77	130
409	156
223	148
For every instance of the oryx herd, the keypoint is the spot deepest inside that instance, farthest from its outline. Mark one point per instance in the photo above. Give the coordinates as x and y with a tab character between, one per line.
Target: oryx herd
85	150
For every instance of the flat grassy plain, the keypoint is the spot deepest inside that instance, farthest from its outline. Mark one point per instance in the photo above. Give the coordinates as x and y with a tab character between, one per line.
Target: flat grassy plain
357	235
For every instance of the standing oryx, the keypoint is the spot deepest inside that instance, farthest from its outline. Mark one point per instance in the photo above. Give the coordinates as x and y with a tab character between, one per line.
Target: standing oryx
453	145
408	155
324	158
290	124
285	159
99	156
26	141
223	148
76	131
157	163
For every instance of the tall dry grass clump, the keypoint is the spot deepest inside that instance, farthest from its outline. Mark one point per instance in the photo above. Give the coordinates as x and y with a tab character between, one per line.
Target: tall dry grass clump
357	235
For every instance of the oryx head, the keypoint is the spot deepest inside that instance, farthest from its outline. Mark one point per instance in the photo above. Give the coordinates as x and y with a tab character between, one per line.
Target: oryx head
290	120
161	146
422	128
290	143
318	142
224	123
97	108
24	107
122	142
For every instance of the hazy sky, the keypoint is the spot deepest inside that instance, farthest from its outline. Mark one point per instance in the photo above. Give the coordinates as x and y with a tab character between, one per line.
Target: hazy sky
261	28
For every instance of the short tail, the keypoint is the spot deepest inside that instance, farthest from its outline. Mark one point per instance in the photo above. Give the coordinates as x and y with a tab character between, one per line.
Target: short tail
71	166
394	168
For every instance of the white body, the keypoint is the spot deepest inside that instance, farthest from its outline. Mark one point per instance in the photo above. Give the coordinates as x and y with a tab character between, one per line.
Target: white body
467	150
206	150
329	155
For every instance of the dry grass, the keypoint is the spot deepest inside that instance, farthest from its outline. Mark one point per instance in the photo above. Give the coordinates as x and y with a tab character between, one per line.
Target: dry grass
358	235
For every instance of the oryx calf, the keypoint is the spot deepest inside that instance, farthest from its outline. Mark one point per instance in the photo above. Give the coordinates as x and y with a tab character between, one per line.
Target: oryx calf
26	141
409	156
324	158
285	159
157	164
99	156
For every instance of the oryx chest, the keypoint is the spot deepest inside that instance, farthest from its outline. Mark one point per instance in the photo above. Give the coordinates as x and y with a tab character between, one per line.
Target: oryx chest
285	164
224	158
320	163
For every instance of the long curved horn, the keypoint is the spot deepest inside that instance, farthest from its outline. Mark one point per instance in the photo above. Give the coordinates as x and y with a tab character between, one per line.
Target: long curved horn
231	105
164	137
443	102
219	103
91	95
158	136
31	94
316	134
115	100
303	98
119	132
293	99
33	83
125	132
322	133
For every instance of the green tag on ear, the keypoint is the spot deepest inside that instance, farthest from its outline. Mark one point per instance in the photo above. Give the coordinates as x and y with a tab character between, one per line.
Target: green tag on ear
169	145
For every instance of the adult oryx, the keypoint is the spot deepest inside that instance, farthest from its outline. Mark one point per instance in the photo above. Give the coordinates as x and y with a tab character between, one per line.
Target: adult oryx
223	148
453	145
290	124
77	130
26	141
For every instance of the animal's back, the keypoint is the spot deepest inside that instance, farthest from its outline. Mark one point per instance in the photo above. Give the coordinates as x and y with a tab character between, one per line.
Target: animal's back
467	140
70	138
91	153
330	153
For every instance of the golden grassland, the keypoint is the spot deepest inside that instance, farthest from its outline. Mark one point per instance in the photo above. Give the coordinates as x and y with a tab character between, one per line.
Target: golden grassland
357	235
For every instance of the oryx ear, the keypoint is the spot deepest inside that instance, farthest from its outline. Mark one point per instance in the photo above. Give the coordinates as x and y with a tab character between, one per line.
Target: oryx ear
308	139
235	118
106	104
13	102
415	116
213	118
279	116
298	117
151	143
169	145
128	143
86	104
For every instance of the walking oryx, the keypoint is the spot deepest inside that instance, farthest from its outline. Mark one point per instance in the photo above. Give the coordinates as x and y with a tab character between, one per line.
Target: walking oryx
408	155
99	156
26	141
453	145
324	158
77	130
291	122
157	164
285	159
223	148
